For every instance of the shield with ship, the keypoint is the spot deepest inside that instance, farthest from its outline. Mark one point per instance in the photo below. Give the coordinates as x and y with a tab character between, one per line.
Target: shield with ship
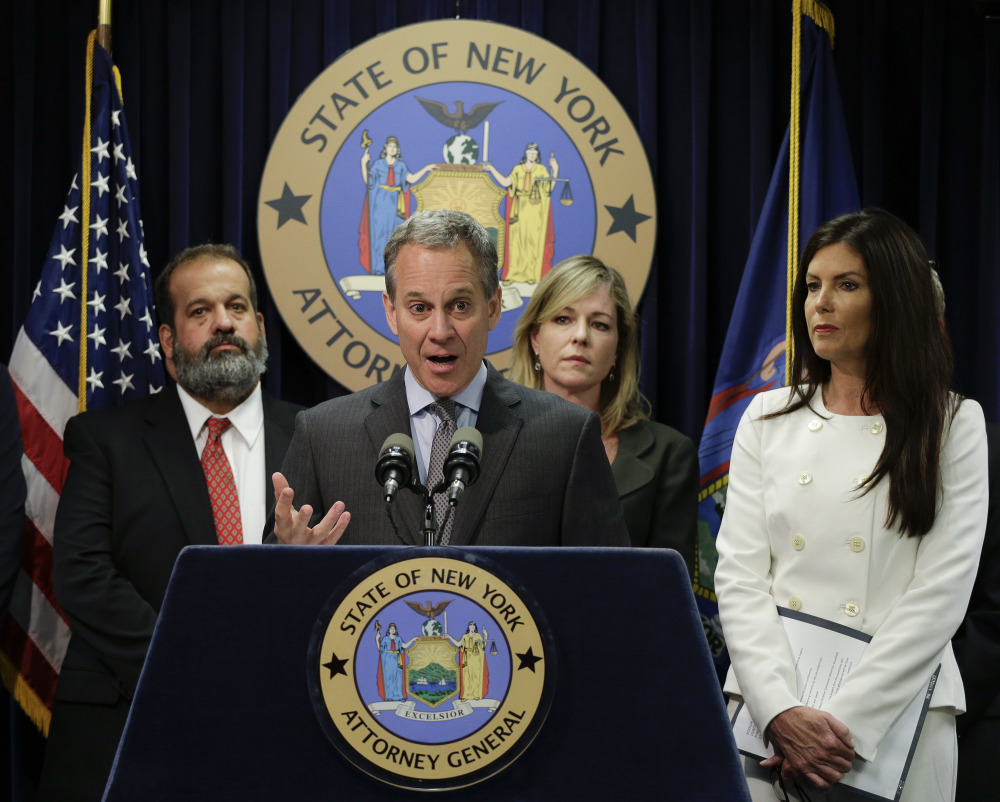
432	671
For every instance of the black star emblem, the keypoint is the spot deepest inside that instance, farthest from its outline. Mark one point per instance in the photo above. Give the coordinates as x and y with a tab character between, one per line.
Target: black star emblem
528	660
289	206
336	666
626	218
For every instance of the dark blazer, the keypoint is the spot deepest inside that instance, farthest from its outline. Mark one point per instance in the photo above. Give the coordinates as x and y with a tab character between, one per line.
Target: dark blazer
134	496
545	479
977	650
656	473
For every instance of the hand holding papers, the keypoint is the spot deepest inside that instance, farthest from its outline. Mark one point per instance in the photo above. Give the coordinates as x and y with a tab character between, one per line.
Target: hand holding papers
812	744
824	654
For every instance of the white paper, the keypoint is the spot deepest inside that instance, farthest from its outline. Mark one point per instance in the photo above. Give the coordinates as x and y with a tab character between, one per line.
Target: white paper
825	654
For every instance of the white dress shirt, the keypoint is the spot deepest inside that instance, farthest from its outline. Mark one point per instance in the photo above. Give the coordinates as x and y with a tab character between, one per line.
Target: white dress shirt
243	443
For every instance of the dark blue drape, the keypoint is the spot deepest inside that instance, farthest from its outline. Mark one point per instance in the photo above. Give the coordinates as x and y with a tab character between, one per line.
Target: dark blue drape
706	82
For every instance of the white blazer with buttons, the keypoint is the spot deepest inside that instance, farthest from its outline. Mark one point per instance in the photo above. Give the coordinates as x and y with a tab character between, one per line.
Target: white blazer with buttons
796	533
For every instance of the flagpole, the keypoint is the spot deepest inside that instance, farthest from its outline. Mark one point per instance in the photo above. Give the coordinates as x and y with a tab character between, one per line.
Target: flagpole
102	35
820	15
104	25
81	390
793	184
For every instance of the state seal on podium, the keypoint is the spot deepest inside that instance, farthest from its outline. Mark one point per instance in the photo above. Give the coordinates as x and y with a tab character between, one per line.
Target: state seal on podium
431	672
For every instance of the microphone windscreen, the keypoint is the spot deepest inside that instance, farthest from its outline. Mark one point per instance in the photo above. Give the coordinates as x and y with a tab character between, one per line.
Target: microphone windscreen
398	440
471	434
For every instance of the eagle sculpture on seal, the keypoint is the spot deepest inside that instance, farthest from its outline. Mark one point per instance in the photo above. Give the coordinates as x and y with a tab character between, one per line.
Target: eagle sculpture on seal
458	119
428	609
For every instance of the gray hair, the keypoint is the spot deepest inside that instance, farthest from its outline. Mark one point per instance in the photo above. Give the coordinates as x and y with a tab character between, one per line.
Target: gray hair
444	229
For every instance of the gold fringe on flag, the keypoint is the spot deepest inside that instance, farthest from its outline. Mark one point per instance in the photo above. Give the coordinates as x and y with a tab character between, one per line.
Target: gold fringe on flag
821	15
34	708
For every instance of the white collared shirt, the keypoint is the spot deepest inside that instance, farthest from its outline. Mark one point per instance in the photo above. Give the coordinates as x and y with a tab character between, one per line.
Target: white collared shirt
423	422
243	443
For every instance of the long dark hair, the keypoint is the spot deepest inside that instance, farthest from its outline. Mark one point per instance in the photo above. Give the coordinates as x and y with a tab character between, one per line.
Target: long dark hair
909	359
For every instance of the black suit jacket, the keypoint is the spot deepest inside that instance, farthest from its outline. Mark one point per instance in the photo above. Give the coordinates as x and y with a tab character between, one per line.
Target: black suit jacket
977	642
545	479
134	496
656	473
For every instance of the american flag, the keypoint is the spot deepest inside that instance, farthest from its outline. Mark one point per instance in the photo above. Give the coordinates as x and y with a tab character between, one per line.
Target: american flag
89	341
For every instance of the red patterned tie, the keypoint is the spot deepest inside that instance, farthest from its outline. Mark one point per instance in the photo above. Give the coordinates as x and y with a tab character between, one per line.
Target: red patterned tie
221	485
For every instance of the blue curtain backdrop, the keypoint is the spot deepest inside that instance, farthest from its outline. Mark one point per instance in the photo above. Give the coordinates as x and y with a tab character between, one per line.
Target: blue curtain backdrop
207	83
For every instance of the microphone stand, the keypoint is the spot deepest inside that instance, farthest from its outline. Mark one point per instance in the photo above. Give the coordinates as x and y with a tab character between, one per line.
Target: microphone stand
429	529
430	525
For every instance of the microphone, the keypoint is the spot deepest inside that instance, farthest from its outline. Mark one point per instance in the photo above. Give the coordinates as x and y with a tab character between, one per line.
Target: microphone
395	464
461	466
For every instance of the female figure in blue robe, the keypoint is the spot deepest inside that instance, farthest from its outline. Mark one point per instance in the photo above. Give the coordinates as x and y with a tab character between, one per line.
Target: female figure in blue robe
387	202
392	659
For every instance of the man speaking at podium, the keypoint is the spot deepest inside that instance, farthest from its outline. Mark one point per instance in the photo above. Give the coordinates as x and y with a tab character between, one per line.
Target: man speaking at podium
544	477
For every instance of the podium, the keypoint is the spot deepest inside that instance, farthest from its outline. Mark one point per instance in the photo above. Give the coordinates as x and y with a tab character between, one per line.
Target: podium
224	710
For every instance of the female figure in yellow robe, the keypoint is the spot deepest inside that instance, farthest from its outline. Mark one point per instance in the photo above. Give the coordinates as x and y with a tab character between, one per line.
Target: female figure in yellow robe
530	235
474	673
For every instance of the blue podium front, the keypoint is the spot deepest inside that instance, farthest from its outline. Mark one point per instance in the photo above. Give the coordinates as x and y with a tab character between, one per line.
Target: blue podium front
524	674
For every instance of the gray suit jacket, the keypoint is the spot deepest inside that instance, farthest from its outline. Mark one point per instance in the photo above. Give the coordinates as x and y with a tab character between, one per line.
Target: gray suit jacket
545	479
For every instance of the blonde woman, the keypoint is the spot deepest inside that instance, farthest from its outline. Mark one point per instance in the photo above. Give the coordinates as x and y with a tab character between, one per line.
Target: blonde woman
579	339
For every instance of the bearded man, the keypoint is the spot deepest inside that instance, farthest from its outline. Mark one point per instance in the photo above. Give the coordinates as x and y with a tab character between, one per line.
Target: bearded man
187	466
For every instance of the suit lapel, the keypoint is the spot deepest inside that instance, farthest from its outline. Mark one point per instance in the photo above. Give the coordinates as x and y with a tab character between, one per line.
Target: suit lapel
499	425
629	471
390	414
168	440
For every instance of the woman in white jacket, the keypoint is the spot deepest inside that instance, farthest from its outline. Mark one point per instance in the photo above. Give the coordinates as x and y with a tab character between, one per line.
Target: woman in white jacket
858	495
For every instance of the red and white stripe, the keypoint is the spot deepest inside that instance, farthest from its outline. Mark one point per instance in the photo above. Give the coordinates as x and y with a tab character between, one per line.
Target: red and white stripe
35	635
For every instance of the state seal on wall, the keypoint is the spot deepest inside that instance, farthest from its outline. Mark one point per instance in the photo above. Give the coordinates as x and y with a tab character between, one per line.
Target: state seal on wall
431	672
466	115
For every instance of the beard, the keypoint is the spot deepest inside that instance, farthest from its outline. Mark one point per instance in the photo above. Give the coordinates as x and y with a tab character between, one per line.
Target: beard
228	376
